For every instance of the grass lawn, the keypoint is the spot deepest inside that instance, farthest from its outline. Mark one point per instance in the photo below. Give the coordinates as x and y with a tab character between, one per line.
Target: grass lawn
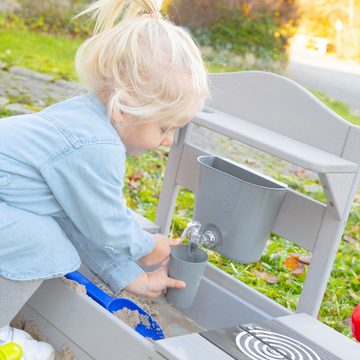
273	275
40	52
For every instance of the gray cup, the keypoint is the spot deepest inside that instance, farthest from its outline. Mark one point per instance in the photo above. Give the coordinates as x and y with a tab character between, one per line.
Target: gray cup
188	269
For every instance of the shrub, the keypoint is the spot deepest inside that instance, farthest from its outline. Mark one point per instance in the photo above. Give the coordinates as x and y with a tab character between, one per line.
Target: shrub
262	28
51	16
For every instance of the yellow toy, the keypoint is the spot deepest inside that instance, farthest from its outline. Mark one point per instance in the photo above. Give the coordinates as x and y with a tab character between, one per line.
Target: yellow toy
10	351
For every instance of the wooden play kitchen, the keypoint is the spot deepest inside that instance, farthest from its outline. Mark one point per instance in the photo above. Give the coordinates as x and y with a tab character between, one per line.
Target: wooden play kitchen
273	114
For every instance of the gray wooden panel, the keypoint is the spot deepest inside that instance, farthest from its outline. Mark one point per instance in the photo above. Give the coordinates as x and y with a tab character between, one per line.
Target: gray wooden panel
285	147
92	328
279	104
223	300
56	337
146	224
299	219
190	347
188	171
323	335
352	146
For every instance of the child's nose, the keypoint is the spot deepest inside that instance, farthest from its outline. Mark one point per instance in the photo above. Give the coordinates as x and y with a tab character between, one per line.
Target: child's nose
168	140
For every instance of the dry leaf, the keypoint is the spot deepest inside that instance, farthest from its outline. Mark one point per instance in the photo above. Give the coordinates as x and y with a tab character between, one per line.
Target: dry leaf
133	180
250	161
268	277
292	263
305	259
354	296
348	238
299	172
298	271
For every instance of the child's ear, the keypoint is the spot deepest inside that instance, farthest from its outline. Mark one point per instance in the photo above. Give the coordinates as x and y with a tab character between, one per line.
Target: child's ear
117	117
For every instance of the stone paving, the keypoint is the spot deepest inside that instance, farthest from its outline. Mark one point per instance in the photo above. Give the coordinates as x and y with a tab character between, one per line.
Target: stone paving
23	91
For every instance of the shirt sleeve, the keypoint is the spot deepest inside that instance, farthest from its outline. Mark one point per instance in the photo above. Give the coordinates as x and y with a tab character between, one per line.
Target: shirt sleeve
88	183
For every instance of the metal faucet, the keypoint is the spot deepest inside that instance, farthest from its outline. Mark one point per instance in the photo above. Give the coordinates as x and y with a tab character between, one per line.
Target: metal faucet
192	231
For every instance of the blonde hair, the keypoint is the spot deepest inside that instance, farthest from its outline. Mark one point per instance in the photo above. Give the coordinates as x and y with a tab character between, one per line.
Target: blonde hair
140	63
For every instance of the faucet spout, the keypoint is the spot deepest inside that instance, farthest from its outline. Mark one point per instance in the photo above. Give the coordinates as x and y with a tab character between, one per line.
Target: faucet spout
192	231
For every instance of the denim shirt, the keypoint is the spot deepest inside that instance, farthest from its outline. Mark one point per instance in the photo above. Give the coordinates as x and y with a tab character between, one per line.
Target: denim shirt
68	162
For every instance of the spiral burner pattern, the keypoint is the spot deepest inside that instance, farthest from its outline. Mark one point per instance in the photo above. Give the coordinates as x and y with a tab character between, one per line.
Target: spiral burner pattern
267	345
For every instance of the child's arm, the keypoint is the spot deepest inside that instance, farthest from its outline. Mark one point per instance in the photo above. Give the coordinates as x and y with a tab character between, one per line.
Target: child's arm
87	181
153	284
161	250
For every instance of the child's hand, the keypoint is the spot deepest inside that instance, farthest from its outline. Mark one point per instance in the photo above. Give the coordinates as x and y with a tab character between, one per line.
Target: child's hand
160	252
154	283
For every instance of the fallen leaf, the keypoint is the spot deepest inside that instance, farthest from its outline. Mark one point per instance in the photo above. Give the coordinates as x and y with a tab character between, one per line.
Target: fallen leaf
305	259
133	180
348	238
299	172
356	228
250	161
292	263
358	278
136	176
354	296
268	277
298	271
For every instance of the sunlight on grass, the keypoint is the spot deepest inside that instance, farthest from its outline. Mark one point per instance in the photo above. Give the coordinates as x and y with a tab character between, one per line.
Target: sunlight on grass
337	106
45	53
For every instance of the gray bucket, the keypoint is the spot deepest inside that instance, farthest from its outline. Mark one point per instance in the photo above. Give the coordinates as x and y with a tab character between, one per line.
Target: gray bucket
188	268
238	205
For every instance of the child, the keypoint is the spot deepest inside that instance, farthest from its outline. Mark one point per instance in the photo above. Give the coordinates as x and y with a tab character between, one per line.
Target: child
62	169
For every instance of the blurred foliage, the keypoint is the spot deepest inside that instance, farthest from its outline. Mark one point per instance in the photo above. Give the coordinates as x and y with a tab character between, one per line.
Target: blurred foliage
240	27
261	28
50	16
318	18
244	35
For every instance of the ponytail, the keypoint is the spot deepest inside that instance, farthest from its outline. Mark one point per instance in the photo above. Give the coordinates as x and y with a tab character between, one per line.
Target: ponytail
107	12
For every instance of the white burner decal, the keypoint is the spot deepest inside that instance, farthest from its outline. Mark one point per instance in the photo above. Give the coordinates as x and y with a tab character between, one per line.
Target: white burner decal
274	346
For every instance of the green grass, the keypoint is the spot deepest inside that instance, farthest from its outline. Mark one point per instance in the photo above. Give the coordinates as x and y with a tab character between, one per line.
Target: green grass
54	55
337	106
45	53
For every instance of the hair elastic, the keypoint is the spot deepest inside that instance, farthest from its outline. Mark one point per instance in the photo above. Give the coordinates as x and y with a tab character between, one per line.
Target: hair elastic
154	14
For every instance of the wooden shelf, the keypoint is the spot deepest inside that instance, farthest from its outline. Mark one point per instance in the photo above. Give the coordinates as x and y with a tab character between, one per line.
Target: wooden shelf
288	149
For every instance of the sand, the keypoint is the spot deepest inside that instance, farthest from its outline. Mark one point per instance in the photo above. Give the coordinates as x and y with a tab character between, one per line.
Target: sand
32	328
132	318
79	289
171	320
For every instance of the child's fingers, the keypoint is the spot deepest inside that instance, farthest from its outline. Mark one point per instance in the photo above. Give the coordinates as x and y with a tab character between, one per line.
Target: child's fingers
173	283
175	242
